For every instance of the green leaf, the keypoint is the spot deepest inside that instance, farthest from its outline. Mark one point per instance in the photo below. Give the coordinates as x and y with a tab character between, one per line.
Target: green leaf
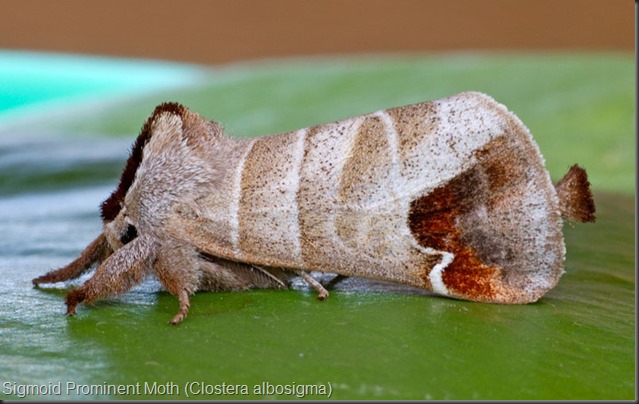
367	340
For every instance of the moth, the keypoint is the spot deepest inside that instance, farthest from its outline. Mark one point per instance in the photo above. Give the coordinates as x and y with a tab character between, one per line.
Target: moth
451	196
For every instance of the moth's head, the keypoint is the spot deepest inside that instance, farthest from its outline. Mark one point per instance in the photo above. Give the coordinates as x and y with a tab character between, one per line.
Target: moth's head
168	132
119	228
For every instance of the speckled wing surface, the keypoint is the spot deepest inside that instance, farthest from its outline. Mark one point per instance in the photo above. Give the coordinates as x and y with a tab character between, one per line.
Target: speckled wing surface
449	195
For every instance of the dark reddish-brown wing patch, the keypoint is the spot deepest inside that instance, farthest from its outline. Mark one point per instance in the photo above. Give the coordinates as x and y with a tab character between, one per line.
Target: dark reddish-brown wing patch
432	220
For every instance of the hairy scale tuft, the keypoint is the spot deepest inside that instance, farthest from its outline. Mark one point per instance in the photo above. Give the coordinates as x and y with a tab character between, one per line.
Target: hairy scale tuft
113	204
575	198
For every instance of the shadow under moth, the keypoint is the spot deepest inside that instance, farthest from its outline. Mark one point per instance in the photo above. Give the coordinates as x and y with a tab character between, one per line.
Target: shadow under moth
451	196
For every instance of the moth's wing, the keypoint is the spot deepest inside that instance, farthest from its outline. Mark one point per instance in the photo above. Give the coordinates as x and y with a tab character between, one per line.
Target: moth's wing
450	196
453	194
497	214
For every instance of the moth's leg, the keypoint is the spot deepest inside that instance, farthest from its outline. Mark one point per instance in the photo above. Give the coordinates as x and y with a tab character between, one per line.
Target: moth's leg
270	279
322	293
97	251
185	303
119	273
177	268
221	274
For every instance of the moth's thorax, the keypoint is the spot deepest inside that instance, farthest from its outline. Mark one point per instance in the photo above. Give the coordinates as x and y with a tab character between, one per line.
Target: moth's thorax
185	159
